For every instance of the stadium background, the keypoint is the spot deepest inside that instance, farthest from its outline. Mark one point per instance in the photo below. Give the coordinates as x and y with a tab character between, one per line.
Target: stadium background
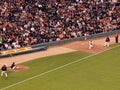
96	22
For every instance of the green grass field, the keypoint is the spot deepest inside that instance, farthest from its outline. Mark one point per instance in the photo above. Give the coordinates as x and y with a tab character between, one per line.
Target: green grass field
71	71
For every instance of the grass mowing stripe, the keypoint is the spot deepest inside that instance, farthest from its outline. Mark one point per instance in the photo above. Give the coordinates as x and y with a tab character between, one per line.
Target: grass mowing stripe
41	74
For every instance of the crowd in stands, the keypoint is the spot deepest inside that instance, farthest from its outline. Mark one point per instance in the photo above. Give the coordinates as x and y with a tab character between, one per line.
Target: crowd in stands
29	22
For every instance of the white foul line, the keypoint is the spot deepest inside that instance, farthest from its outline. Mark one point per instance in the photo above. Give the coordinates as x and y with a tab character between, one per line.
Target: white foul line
56	69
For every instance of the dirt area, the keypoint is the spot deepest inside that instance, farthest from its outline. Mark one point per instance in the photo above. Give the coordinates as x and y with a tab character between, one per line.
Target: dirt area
66	48
84	45
18	68
27	57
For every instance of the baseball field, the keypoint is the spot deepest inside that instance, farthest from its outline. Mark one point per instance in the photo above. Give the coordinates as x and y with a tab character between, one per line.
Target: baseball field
70	71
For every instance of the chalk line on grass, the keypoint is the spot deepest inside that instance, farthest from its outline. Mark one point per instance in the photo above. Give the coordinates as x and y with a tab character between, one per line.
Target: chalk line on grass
60	67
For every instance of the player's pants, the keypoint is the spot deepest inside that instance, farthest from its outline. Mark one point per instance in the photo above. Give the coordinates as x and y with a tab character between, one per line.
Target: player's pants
90	46
4	72
106	44
13	67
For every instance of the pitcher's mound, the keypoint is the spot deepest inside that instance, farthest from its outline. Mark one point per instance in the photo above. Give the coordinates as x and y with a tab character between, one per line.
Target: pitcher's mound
18	68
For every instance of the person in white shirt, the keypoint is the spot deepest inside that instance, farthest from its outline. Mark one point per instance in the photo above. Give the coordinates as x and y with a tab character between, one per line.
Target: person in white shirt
90	44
